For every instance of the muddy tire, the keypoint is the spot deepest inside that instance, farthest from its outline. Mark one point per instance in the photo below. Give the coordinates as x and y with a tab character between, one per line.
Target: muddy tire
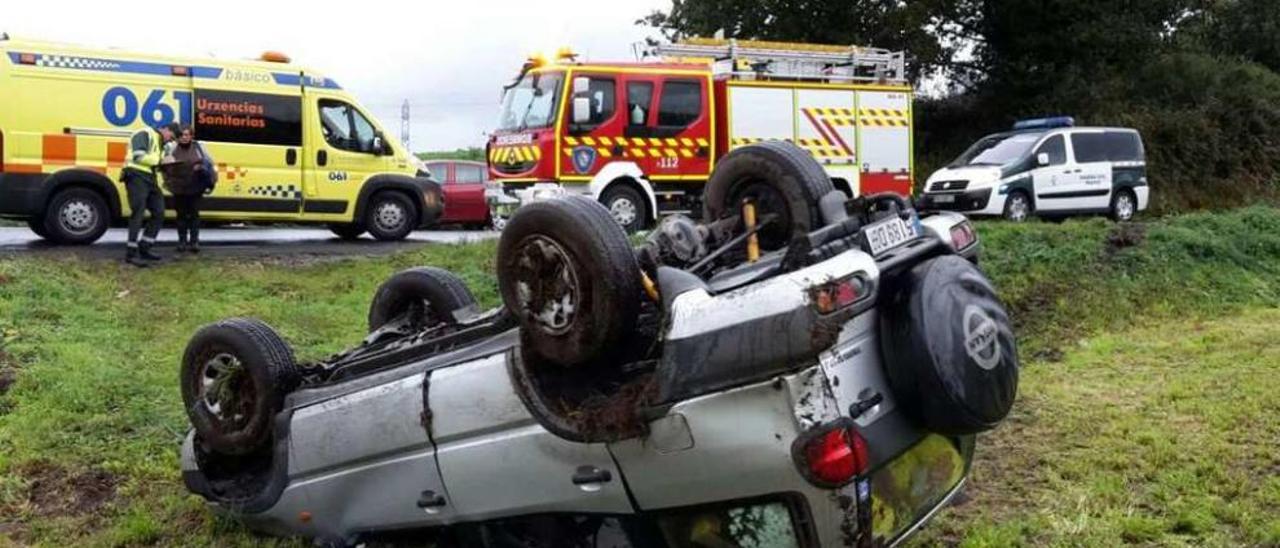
567	273
430	295
948	347
235	375
347	231
781	177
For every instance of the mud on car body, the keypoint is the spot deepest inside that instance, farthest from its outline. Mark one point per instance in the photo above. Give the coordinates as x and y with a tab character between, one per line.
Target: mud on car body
722	384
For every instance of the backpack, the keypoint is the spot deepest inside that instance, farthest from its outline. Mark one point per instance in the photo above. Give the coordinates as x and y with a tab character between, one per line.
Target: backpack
207	178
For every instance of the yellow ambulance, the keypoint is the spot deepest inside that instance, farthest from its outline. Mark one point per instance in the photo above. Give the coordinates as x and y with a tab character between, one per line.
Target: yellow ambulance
289	145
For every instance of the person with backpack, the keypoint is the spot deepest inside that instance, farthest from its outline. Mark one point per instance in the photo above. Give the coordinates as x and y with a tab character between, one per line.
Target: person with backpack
146	154
189	177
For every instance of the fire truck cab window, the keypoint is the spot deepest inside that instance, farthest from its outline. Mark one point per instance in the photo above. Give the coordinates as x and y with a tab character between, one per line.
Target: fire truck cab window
602	93
639	101
681	103
345	128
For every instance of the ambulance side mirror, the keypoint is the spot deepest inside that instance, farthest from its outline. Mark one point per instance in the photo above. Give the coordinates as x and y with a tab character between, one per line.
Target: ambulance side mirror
1042	159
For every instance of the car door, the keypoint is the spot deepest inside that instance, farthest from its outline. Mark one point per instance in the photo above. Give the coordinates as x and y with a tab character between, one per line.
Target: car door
1052	176
590	145
468	193
1088	185
341	155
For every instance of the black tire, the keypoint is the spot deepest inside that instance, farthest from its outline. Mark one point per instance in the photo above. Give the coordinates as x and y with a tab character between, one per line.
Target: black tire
1122	211
256	368
1018	207
949	349
347	231
36	224
781	177
626	206
569	248
76	216
430	294
390	216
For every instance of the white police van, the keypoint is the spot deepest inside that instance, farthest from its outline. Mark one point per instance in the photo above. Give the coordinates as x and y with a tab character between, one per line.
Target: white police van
1046	167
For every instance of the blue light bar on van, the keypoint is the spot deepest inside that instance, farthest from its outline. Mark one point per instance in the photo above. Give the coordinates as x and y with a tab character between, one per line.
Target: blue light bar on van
1045	123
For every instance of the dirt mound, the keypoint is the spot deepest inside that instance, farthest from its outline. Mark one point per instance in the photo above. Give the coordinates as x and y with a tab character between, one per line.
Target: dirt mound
1124	235
53	490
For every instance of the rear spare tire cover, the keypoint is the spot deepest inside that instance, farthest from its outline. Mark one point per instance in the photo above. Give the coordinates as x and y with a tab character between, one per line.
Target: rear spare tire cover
949	349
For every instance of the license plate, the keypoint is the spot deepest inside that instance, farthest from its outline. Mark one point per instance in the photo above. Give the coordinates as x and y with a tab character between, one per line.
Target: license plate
888	234
945	198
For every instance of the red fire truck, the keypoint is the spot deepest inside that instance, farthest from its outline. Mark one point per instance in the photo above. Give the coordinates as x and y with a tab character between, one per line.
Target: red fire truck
643	137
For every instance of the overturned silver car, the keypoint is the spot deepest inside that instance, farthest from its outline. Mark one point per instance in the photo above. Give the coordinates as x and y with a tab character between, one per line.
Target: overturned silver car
800	369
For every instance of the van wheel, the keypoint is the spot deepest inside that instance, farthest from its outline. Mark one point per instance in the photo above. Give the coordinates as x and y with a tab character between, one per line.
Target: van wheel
567	273
427	294
36	224
235	375
347	231
76	216
626	206
390	216
1123	206
780	177
1017	207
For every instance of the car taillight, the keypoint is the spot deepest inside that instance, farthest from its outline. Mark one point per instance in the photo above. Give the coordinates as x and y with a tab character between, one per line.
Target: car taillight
834	295
831	455
962	235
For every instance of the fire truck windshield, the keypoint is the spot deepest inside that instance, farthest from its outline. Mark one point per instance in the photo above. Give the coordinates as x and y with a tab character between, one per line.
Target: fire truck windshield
531	103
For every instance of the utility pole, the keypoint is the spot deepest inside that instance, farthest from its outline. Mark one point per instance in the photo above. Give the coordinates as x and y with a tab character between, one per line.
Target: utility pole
404	125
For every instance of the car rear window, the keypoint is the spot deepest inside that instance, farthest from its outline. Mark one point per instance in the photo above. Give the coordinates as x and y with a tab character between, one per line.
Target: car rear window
1106	146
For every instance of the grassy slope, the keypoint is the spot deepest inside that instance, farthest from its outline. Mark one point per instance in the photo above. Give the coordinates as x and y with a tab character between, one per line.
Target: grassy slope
88	432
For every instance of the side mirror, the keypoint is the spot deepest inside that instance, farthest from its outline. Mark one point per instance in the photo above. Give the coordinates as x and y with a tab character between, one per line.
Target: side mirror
1042	159
581	85
378	145
581	110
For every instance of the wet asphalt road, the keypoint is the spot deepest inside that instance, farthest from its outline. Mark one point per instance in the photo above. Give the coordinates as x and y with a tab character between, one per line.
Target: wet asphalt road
241	242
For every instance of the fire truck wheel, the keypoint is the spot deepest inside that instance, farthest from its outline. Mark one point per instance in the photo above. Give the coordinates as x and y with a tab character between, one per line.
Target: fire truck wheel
948	346
76	216
626	206
390	215
235	374
781	178
567	273
427	294
347	231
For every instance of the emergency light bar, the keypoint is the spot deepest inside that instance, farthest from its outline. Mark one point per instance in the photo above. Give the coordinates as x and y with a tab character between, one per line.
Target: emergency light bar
1045	123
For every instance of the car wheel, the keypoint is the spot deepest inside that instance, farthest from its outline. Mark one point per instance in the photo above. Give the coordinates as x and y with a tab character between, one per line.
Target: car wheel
347	231
1017	207
390	216
76	216
567	273
626	206
235	375
1123	206
948	345
36	224
780	177
427	294
498	223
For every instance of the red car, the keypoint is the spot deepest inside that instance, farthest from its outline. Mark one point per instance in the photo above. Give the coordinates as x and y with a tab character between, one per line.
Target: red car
463	183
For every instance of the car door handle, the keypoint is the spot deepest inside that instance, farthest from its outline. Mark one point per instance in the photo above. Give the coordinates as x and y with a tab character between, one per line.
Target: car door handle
291	156
322	157
430	499
590	474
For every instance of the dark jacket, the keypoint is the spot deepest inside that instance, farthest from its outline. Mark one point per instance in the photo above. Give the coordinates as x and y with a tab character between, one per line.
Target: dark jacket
178	175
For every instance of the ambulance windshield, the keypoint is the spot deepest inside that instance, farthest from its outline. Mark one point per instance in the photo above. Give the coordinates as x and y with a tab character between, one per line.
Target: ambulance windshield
531	103
998	150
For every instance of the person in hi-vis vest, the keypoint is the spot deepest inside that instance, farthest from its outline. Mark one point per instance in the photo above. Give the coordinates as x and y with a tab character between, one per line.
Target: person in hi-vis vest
146	154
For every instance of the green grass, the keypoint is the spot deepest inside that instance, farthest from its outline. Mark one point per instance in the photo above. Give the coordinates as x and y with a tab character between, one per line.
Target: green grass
89	430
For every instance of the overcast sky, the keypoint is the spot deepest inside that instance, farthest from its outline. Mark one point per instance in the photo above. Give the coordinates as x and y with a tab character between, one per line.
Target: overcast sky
448	58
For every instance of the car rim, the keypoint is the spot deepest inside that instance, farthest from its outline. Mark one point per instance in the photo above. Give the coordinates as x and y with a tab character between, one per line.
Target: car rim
1124	207
389	216
547	285
1018	208
226	390
78	217
499	223
623	210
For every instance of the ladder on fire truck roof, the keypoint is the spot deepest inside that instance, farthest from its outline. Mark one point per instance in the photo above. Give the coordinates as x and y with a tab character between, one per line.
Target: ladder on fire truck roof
759	60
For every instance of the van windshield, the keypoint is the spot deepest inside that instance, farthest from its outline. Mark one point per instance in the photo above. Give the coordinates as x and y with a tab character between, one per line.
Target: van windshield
531	103
998	150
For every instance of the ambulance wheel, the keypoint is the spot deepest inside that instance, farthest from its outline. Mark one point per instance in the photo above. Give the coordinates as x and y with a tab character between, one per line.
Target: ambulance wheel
568	275
36	224
347	231
76	216
781	179
950	355
427	294
1017	207
390	216
626	206
235	375
1123	206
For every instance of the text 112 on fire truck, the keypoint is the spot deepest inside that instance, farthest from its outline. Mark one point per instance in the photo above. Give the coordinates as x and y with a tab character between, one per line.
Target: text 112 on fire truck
643	137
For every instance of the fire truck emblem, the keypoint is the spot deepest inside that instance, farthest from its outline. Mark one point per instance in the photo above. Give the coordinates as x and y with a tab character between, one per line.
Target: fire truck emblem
584	158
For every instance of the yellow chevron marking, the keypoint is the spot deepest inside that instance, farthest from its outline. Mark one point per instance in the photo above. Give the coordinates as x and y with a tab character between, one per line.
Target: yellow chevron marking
686	141
571	141
588	141
604	152
671	152
686	153
702	142
655	152
568	152
672	142
606	141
